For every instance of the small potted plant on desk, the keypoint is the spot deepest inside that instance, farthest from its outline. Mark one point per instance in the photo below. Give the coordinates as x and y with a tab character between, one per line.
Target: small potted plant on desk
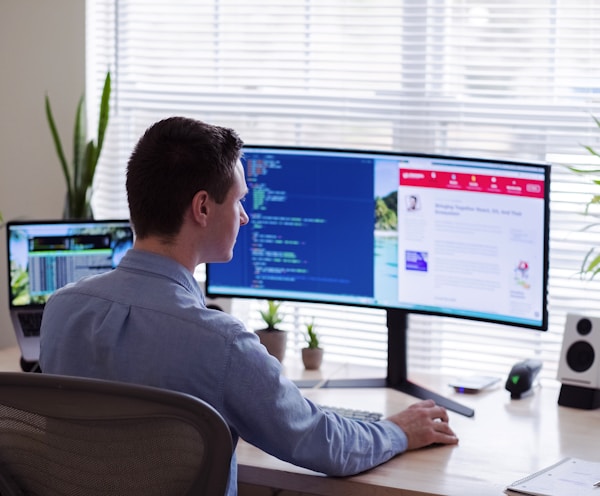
312	355
273	338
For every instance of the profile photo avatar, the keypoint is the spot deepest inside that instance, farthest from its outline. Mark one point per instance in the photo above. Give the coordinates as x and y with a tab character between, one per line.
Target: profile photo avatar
412	202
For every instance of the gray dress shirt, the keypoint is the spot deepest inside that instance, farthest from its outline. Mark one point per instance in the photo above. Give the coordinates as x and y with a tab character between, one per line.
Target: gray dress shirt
146	322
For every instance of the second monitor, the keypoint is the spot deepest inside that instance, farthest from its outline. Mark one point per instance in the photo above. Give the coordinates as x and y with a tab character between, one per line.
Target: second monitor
453	236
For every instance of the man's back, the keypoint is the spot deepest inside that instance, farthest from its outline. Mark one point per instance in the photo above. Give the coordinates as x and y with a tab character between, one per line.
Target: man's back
145	322
139	325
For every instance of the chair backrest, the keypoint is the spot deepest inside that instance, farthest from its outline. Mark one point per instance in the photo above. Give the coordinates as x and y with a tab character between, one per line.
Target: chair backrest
69	436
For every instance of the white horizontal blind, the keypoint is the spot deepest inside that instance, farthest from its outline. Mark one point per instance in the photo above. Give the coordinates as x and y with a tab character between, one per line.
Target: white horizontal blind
512	79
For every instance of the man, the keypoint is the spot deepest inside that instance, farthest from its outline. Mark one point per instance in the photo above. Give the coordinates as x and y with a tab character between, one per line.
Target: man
146	322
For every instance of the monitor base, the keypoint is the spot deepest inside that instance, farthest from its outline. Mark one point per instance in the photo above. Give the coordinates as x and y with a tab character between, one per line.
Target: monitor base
404	386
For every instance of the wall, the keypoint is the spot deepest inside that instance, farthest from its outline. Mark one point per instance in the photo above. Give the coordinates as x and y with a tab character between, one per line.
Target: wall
42	49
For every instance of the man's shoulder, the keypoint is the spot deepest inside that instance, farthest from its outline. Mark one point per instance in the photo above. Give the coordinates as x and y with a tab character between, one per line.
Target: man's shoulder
89	283
218	320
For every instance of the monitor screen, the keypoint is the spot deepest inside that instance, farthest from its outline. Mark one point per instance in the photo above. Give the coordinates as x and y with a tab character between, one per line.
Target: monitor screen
45	255
451	236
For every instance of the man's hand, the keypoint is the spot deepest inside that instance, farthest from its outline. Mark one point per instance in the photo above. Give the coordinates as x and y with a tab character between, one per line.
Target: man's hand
425	423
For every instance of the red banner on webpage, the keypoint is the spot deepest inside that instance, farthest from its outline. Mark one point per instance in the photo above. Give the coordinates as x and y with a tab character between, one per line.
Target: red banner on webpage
502	185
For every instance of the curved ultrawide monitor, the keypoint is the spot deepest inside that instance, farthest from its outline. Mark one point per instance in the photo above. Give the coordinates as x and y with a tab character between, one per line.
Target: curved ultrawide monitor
456	236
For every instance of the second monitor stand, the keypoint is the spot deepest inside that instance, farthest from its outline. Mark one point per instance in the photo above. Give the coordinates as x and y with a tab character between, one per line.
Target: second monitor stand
397	376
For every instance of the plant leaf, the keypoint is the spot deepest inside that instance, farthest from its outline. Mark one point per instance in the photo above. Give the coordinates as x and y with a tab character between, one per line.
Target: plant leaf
590	226
79	137
592	151
594	264
79	204
103	116
271	316
58	146
94	156
86	174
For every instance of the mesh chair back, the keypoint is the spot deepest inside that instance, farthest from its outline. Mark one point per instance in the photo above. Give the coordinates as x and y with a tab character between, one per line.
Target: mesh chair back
68	436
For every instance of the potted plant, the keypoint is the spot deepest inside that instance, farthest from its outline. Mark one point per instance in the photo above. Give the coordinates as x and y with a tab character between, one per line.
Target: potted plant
312	354
591	262
79	176
273	338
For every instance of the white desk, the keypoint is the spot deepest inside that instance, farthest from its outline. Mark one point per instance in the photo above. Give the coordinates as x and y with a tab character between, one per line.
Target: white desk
505	440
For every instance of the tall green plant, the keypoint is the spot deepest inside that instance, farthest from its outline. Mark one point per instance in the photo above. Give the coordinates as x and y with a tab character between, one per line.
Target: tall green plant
79	175
591	262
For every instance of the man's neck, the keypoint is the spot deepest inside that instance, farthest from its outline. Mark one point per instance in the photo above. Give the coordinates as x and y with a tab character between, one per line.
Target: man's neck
166	249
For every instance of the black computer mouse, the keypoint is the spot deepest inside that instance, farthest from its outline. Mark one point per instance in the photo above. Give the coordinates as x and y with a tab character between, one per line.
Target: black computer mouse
521	377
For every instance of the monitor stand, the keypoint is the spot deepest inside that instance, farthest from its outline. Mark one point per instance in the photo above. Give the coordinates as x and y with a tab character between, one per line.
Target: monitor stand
396	370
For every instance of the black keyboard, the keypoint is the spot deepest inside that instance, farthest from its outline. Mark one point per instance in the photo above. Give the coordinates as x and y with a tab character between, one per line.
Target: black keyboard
353	413
31	323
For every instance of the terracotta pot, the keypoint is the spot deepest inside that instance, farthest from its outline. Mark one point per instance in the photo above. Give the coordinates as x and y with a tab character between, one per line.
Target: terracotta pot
312	358
274	341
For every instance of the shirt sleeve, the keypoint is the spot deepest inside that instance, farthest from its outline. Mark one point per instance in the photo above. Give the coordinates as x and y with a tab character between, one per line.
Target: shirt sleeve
269	411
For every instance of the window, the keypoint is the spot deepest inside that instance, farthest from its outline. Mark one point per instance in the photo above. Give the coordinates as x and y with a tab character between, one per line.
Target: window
512	79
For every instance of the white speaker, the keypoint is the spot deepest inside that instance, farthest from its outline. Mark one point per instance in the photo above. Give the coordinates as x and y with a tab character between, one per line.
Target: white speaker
579	365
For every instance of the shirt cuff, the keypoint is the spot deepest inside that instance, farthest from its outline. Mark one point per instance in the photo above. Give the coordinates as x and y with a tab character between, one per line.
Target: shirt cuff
396	435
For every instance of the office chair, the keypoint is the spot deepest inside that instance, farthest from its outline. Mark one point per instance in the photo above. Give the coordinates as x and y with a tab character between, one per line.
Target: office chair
71	436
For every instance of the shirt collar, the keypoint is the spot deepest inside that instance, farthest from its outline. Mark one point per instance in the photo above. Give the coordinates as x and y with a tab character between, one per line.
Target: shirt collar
162	266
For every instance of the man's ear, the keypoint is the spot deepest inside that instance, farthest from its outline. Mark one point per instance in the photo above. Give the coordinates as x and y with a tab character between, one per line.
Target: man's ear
201	207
